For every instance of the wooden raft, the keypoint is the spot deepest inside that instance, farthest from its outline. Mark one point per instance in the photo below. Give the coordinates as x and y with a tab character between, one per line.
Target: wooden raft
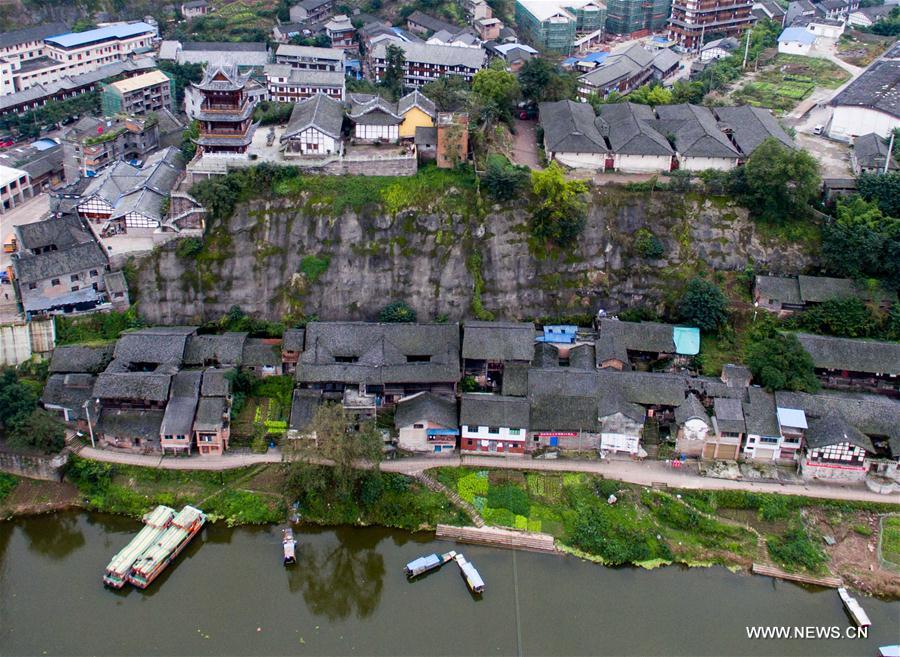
771	571
497	537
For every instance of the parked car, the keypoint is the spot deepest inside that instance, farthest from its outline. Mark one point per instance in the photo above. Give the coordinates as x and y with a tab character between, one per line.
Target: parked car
819	129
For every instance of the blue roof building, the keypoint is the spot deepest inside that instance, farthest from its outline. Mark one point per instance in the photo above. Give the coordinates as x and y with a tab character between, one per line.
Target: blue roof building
797	35
115	32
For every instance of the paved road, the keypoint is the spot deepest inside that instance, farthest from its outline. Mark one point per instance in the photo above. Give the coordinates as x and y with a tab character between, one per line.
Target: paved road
645	474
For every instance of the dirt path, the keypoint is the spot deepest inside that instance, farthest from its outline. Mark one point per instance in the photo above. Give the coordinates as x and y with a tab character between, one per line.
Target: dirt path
525	148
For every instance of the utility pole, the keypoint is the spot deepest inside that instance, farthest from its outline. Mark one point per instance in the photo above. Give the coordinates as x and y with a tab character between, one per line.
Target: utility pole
746	49
890	151
87	412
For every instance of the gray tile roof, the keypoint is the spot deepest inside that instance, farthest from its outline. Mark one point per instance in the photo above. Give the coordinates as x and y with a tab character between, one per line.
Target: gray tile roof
154	345
383	353
871	150
433	24
130	423
231	46
210	415
486	410
620	65
426	406
515	379
143	386
215	382
34	33
416	99
581	357
750	126
874	415
785	289
303	408
633	336
736	376
696	132
691	408
760	415
833	429
69	391
56	264
305	77
78	358
259	353
665	60
816	289
293	339
564	400
321	112
545	355
225	349
222	78
868	356
729	415
629	130
426	136
569	127
877	88
424	53
498	341
57	232
370	109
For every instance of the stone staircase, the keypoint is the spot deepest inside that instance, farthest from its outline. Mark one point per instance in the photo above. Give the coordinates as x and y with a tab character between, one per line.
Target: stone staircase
438	487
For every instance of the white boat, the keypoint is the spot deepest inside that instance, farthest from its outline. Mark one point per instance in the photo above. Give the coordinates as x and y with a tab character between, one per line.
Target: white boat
468	572
428	563
857	613
289	545
889	651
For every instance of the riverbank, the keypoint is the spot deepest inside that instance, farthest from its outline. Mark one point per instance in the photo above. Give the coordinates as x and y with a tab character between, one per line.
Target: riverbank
644	527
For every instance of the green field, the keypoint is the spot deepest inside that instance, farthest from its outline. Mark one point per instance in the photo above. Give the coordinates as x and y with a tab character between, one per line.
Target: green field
782	84
890	540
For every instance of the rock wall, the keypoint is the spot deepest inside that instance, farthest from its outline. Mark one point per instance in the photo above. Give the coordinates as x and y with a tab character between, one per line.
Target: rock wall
267	259
34	466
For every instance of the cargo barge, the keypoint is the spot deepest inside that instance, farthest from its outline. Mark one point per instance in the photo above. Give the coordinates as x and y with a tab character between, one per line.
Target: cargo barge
155	524
470	575
426	564
174	539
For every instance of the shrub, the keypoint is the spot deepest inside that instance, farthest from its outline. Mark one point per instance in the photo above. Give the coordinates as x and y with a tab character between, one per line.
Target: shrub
188	247
863	530
779	362
313	266
7	484
503	180
616	535
259	445
647	245
397	312
509	497
703	305
775	507
796	549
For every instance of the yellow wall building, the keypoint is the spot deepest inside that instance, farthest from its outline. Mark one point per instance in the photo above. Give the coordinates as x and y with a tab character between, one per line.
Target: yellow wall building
417	111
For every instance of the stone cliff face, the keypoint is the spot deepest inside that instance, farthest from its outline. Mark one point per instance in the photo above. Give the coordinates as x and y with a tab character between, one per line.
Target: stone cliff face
276	258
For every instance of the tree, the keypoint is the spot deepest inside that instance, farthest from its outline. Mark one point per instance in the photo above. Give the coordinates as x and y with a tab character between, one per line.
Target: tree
688	92
883	189
650	94
648	245
449	93
17	401
188	145
560	211
778	183
779	362
862	242
497	89
703	305
182	75
394	71
848	318
343	446
503	180
397	312
40	431
541	81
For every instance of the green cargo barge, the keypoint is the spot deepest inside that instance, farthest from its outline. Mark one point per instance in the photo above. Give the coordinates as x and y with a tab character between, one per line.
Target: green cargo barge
156	522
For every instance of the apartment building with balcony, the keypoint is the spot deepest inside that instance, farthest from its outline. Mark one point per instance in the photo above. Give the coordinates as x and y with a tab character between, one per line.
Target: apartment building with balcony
695	21
556	25
425	62
142	94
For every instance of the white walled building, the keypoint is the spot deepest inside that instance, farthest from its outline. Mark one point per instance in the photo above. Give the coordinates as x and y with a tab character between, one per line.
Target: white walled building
314	128
871	103
15	188
495	424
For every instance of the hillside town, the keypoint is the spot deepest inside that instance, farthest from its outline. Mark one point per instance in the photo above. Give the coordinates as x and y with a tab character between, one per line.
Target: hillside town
654	243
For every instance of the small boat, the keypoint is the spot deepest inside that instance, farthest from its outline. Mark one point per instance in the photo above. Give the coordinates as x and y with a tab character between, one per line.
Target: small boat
468	572
155	524
889	651
857	613
174	539
288	542
426	564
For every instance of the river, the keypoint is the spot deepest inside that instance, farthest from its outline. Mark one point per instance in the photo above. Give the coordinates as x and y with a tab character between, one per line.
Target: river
229	594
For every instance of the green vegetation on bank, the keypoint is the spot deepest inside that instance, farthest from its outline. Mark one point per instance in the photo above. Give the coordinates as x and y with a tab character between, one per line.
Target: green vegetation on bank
890	541
7	483
96	327
24	425
647	526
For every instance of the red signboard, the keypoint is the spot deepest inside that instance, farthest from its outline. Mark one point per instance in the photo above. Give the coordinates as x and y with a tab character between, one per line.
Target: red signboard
558	434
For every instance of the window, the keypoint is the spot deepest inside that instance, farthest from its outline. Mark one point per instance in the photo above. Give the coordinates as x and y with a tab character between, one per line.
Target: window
418	425
346	359
32	286
73	277
493	429
54	281
74	288
418	359
515	432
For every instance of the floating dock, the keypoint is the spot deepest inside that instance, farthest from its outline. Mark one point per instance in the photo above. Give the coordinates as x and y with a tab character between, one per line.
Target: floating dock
174	539
155	524
498	537
470	575
771	571
423	565
289	545
851	604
